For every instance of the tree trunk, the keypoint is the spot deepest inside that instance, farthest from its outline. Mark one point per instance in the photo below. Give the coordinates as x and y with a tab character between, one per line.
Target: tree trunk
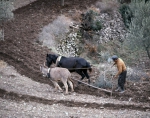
146	46
2	30
148	53
62	2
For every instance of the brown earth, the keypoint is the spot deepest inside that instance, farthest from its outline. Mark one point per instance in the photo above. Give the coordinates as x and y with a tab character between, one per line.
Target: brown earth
21	96
22	50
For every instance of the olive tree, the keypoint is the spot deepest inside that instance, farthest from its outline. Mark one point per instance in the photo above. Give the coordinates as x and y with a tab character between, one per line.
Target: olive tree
138	37
6	8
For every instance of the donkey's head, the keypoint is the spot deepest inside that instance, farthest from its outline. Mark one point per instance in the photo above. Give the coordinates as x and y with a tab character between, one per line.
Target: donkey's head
44	71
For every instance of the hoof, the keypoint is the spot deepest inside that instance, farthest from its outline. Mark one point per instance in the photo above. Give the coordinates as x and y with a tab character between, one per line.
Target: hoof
66	94
89	81
79	82
60	91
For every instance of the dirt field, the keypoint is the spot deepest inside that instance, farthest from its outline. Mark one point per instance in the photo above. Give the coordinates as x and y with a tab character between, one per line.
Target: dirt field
22	97
28	94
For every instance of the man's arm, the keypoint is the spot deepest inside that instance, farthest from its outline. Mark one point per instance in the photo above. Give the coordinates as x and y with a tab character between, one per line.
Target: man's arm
119	71
113	65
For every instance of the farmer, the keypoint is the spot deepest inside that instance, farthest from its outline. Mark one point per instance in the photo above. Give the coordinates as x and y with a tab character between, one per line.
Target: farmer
121	75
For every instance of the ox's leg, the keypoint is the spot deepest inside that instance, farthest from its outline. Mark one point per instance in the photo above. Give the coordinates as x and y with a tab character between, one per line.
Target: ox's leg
82	75
87	76
71	85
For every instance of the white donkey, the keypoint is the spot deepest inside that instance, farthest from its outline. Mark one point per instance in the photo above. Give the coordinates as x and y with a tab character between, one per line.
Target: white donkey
55	74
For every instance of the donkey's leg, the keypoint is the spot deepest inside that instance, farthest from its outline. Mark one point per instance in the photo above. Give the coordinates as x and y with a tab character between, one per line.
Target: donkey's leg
64	81
82	75
71	85
57	86
87	76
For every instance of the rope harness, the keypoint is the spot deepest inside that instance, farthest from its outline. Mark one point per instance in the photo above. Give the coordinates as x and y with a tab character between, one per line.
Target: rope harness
57	62
48	74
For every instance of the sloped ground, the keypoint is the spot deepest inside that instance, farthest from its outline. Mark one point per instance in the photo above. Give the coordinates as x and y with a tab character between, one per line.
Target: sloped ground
21	50
23	97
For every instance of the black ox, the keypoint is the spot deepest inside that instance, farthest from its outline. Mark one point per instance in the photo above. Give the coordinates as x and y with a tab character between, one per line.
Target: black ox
73	64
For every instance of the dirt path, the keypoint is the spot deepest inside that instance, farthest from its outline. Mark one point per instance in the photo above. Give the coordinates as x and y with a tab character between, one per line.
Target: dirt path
27	98
9	108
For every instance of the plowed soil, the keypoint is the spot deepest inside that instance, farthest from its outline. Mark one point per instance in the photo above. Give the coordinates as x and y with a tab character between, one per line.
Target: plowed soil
22	50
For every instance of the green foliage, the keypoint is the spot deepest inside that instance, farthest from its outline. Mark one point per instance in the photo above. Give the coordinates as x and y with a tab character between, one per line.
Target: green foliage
138	38
6	7
102	82
126	14
128	1
147	1
97	25
124	1
89	22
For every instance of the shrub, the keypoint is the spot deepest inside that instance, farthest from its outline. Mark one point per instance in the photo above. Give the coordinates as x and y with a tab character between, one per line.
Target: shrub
126	14
6	8
124	1
91	48
137	41
102	82
107	6
89	22
55	30
76	16
97	25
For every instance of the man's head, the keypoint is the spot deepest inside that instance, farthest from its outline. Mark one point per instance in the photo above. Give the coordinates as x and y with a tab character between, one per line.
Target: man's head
114	58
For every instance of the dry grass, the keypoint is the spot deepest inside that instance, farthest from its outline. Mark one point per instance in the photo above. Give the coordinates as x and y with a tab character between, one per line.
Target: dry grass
54	31
2	64
77	16
91	48
94	9
107	6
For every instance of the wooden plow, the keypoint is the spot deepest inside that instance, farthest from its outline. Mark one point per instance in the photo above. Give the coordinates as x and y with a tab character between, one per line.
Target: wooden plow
108	91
